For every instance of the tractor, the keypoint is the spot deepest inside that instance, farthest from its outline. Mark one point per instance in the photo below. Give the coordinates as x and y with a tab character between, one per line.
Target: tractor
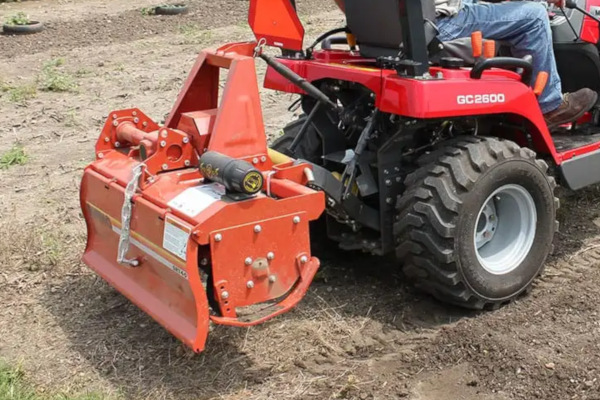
406	146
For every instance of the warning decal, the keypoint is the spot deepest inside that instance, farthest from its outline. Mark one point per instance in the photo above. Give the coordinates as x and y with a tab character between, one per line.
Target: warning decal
175	238
194	200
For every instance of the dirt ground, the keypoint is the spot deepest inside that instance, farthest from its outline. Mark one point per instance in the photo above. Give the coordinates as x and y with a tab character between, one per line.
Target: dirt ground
361	333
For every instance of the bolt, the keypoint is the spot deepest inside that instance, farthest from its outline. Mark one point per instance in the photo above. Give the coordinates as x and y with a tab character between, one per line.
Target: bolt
389	200
248	261
186	163
163	143
303	259
117	144
186	140
136	120
164	133
115	123
388	182
165	167
270	255
257	229
255	160
250	285
397	169
225	295
386	172
498	198
218	237
263	159
296	220
204	261
115	116
272	278
492	218
144	124
398	179
106	139
100	155
134	113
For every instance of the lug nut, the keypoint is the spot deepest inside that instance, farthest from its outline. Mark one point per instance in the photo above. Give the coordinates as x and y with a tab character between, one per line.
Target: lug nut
296	220
248	261
218	237
270	255
225	295
257	229
250	285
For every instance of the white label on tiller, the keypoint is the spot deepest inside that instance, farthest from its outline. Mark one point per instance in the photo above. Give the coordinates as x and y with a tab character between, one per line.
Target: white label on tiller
194	200
175	238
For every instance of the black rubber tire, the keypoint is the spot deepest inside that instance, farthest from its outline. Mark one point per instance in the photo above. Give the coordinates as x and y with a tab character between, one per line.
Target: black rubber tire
174	9
436	220
32	27
310	149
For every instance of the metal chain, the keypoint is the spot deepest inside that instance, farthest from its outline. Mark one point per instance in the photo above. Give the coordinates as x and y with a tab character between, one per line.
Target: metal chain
130	190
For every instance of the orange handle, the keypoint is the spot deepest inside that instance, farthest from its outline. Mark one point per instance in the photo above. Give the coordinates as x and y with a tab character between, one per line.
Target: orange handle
351	40
540	83
489	49
477	44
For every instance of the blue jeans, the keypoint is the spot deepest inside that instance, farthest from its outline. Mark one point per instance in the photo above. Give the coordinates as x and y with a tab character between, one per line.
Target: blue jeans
524	25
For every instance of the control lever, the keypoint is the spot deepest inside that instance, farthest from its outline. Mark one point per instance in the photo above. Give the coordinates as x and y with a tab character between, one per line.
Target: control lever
572	4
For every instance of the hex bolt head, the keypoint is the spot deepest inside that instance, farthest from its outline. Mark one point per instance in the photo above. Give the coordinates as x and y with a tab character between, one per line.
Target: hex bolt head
186	163
255	160
204	261
136	120
248	261
144	124
250	285
272	278
388	182
270	255
296	220
165	167
218	237
100	155
263	159
114	116
134	113
115	123
303	259
257	229
186	140
106	139
117	144
163	143
225	295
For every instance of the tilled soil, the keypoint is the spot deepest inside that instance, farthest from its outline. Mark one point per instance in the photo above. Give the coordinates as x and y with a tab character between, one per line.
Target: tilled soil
361	332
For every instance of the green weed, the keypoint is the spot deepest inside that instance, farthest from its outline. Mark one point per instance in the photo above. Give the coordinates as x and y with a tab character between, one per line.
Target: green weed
15	156
19	18
53	80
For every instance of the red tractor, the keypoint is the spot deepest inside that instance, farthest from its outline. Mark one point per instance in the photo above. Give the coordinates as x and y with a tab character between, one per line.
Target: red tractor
403	148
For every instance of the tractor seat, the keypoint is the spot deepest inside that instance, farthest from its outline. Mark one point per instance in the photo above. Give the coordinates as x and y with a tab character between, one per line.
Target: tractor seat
384	28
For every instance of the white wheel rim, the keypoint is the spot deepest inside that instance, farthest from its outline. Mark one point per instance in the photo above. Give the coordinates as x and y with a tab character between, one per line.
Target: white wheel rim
505	229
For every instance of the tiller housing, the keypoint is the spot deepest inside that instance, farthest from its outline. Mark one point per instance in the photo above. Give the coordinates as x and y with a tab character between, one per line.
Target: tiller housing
165	236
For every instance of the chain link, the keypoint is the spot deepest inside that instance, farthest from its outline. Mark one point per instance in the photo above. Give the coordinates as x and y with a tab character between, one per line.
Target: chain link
130	190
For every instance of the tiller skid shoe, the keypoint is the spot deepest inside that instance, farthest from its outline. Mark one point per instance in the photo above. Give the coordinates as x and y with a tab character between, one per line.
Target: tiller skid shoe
198	221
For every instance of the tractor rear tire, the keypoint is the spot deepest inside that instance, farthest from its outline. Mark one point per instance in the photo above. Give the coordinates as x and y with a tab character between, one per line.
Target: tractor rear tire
476	222
309	149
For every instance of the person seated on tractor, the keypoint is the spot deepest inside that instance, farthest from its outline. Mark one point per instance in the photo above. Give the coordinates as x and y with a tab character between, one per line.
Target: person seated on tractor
525	26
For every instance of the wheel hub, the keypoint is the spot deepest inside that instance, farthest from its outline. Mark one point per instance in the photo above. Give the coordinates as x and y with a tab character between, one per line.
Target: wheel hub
505	229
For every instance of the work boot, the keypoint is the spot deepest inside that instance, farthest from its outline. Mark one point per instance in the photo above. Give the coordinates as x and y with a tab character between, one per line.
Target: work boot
573	107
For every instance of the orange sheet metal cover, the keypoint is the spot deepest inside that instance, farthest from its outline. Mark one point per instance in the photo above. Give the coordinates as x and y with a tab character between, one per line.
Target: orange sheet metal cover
277	23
